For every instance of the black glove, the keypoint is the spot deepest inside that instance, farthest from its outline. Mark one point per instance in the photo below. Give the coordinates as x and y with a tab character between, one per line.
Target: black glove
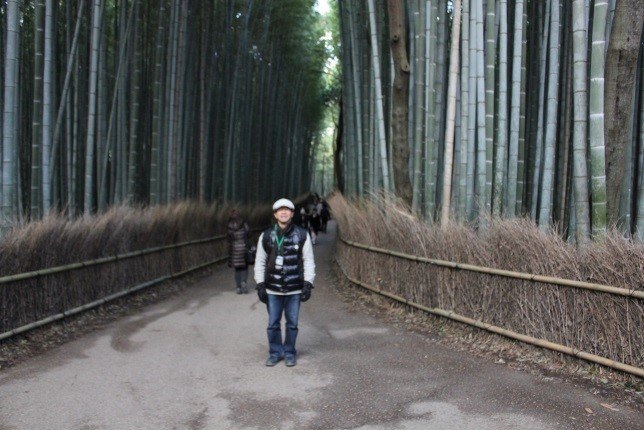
306	291
261	293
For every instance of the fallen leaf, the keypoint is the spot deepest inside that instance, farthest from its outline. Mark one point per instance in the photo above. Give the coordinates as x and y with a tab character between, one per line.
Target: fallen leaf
607	406
590	411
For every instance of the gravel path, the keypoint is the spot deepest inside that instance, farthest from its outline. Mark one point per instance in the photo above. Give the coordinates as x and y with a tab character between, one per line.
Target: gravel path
196	362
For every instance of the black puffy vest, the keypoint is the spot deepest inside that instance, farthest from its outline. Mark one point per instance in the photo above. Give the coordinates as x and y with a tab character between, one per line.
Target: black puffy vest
291	276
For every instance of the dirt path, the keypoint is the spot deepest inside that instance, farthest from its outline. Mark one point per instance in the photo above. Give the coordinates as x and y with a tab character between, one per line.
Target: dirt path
196	362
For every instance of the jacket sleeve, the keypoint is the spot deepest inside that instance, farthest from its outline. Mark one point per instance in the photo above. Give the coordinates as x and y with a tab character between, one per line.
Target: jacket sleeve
260	261
309	262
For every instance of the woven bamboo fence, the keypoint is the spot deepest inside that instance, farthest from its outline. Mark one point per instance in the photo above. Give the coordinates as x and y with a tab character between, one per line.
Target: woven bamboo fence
511	276
57	267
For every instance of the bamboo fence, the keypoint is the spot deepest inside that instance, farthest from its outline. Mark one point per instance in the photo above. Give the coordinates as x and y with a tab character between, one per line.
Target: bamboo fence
504	273
636	294
119	258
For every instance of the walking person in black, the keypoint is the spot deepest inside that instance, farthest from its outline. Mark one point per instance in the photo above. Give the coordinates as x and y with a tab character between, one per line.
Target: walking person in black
284	273
325	215
237	247
314	225
303	219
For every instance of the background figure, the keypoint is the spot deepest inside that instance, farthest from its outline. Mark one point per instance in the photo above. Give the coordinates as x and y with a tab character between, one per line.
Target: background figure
325	215
303	219
237	247
314	225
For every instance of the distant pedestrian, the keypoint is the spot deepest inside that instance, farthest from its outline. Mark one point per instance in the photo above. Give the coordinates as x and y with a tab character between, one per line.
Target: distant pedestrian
237	247
325	215
314	225
284	273
303	219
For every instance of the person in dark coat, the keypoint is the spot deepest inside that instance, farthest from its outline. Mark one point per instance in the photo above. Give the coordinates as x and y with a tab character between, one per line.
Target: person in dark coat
237	247
303	218
314	225
324	216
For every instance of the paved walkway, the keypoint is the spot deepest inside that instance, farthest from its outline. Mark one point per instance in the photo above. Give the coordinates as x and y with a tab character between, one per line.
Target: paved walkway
196	362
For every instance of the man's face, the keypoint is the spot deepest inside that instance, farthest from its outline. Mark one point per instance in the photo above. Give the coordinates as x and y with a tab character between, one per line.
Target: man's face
283	215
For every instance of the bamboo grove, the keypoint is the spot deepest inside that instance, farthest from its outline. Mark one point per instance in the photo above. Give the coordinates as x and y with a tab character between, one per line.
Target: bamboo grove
468	109
152	101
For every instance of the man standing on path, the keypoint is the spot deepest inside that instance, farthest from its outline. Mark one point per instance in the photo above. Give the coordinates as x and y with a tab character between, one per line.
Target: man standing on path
284	273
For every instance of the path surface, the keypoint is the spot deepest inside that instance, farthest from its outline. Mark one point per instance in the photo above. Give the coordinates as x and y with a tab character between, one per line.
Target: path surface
196	362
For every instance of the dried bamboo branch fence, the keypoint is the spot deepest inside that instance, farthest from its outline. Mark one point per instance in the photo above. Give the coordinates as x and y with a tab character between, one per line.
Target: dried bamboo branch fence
119	258
96	303
637	371
591	301
103	260
59	266
551	280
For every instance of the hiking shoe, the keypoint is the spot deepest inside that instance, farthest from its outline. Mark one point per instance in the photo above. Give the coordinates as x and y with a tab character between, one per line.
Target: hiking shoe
290	361
272	361
238	290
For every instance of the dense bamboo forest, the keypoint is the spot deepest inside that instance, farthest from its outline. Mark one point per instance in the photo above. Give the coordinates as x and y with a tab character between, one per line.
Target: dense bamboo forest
464	110
149	102
471	109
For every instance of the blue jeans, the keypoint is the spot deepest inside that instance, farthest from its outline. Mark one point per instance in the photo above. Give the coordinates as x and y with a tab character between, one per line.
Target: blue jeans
290	307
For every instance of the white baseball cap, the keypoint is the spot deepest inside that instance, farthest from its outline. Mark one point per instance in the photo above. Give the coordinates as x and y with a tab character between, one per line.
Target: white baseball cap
283	203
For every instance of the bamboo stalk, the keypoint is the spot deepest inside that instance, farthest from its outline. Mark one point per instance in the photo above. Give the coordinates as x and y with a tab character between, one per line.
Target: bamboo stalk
504	332
104	300
506	273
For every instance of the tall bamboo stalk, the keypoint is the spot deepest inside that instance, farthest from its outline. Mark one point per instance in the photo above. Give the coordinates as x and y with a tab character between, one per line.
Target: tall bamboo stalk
596	124
451	108
580	133
547	187
380	117
11	95
464	196
36	194
502	112
515	109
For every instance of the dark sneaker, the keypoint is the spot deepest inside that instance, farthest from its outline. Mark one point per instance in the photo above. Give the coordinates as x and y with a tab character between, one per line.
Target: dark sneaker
272	361
238	290
290	361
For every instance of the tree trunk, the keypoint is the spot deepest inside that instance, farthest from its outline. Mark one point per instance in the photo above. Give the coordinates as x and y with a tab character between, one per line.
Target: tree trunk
620	73
400	107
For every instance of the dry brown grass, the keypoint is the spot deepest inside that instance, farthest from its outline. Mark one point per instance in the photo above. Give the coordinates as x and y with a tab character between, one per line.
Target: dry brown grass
599	323
57	241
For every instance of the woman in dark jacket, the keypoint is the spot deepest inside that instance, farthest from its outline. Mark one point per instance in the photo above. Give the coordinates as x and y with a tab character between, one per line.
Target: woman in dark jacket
237	247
